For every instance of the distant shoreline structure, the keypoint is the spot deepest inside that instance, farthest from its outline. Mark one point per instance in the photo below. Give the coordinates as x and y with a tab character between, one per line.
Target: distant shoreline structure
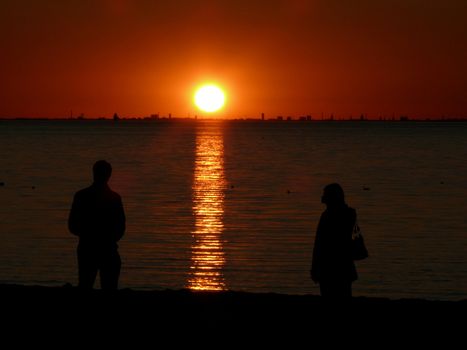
278	119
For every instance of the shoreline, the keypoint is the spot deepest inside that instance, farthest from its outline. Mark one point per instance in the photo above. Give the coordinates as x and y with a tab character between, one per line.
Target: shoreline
239	317
221	304
14	289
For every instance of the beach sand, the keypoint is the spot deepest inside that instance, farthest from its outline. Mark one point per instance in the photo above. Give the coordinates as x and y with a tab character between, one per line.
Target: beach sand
264	317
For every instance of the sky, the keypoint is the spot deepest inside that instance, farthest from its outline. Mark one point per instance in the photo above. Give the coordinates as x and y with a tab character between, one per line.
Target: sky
279	57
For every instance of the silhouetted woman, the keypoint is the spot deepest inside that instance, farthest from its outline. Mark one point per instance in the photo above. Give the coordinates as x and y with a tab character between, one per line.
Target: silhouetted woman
332	266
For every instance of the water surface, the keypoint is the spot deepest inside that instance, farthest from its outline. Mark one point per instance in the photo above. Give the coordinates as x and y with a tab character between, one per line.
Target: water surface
235	205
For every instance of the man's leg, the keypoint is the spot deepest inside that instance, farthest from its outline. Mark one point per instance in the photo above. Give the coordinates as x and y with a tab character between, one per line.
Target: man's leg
87	269
110	271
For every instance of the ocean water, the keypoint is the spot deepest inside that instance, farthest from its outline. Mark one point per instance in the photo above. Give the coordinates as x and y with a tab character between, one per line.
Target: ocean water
234	205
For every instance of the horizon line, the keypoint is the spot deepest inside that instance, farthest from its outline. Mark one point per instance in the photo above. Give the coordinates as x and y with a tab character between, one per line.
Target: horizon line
303	119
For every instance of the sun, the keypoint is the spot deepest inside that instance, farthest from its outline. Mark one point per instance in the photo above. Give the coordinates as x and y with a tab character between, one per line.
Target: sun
209	98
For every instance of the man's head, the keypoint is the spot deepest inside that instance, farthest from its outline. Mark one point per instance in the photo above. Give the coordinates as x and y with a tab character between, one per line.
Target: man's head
102	171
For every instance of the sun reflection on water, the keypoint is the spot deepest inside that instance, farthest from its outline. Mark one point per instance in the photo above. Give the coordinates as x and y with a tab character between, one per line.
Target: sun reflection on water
208	260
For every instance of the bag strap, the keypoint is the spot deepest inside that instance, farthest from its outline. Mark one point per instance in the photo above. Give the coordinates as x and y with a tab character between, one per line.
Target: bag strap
356	230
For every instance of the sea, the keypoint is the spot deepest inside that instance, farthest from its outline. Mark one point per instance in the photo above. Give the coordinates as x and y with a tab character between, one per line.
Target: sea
234	205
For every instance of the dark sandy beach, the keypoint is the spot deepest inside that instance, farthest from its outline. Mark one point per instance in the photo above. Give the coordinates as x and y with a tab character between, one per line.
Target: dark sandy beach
233	314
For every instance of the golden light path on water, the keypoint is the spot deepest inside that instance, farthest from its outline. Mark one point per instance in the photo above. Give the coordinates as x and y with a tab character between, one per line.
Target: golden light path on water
207	257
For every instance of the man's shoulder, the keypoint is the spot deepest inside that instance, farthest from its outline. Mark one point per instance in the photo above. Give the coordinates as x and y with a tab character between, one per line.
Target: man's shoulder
114	195
91	193
83	192
111	195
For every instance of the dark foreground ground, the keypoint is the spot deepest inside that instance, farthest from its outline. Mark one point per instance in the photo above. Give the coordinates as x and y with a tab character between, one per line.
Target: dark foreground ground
42	314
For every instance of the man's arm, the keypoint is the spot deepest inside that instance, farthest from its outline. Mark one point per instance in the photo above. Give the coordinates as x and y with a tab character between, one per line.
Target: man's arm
74	218
120	220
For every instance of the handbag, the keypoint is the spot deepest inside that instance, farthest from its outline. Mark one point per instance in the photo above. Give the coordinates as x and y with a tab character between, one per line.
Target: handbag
359	251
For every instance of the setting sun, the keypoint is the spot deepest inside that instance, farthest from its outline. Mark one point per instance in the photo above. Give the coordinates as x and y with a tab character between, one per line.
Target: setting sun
209	98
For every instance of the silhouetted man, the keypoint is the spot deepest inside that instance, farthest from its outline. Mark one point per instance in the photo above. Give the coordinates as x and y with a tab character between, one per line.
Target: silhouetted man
98	219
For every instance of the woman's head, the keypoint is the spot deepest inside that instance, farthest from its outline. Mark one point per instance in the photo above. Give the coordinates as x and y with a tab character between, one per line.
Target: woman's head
333	195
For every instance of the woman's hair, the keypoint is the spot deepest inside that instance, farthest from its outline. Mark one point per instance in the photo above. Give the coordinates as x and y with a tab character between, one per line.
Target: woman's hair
333	195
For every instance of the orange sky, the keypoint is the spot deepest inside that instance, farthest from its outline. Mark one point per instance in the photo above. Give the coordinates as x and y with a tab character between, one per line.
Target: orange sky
280	57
